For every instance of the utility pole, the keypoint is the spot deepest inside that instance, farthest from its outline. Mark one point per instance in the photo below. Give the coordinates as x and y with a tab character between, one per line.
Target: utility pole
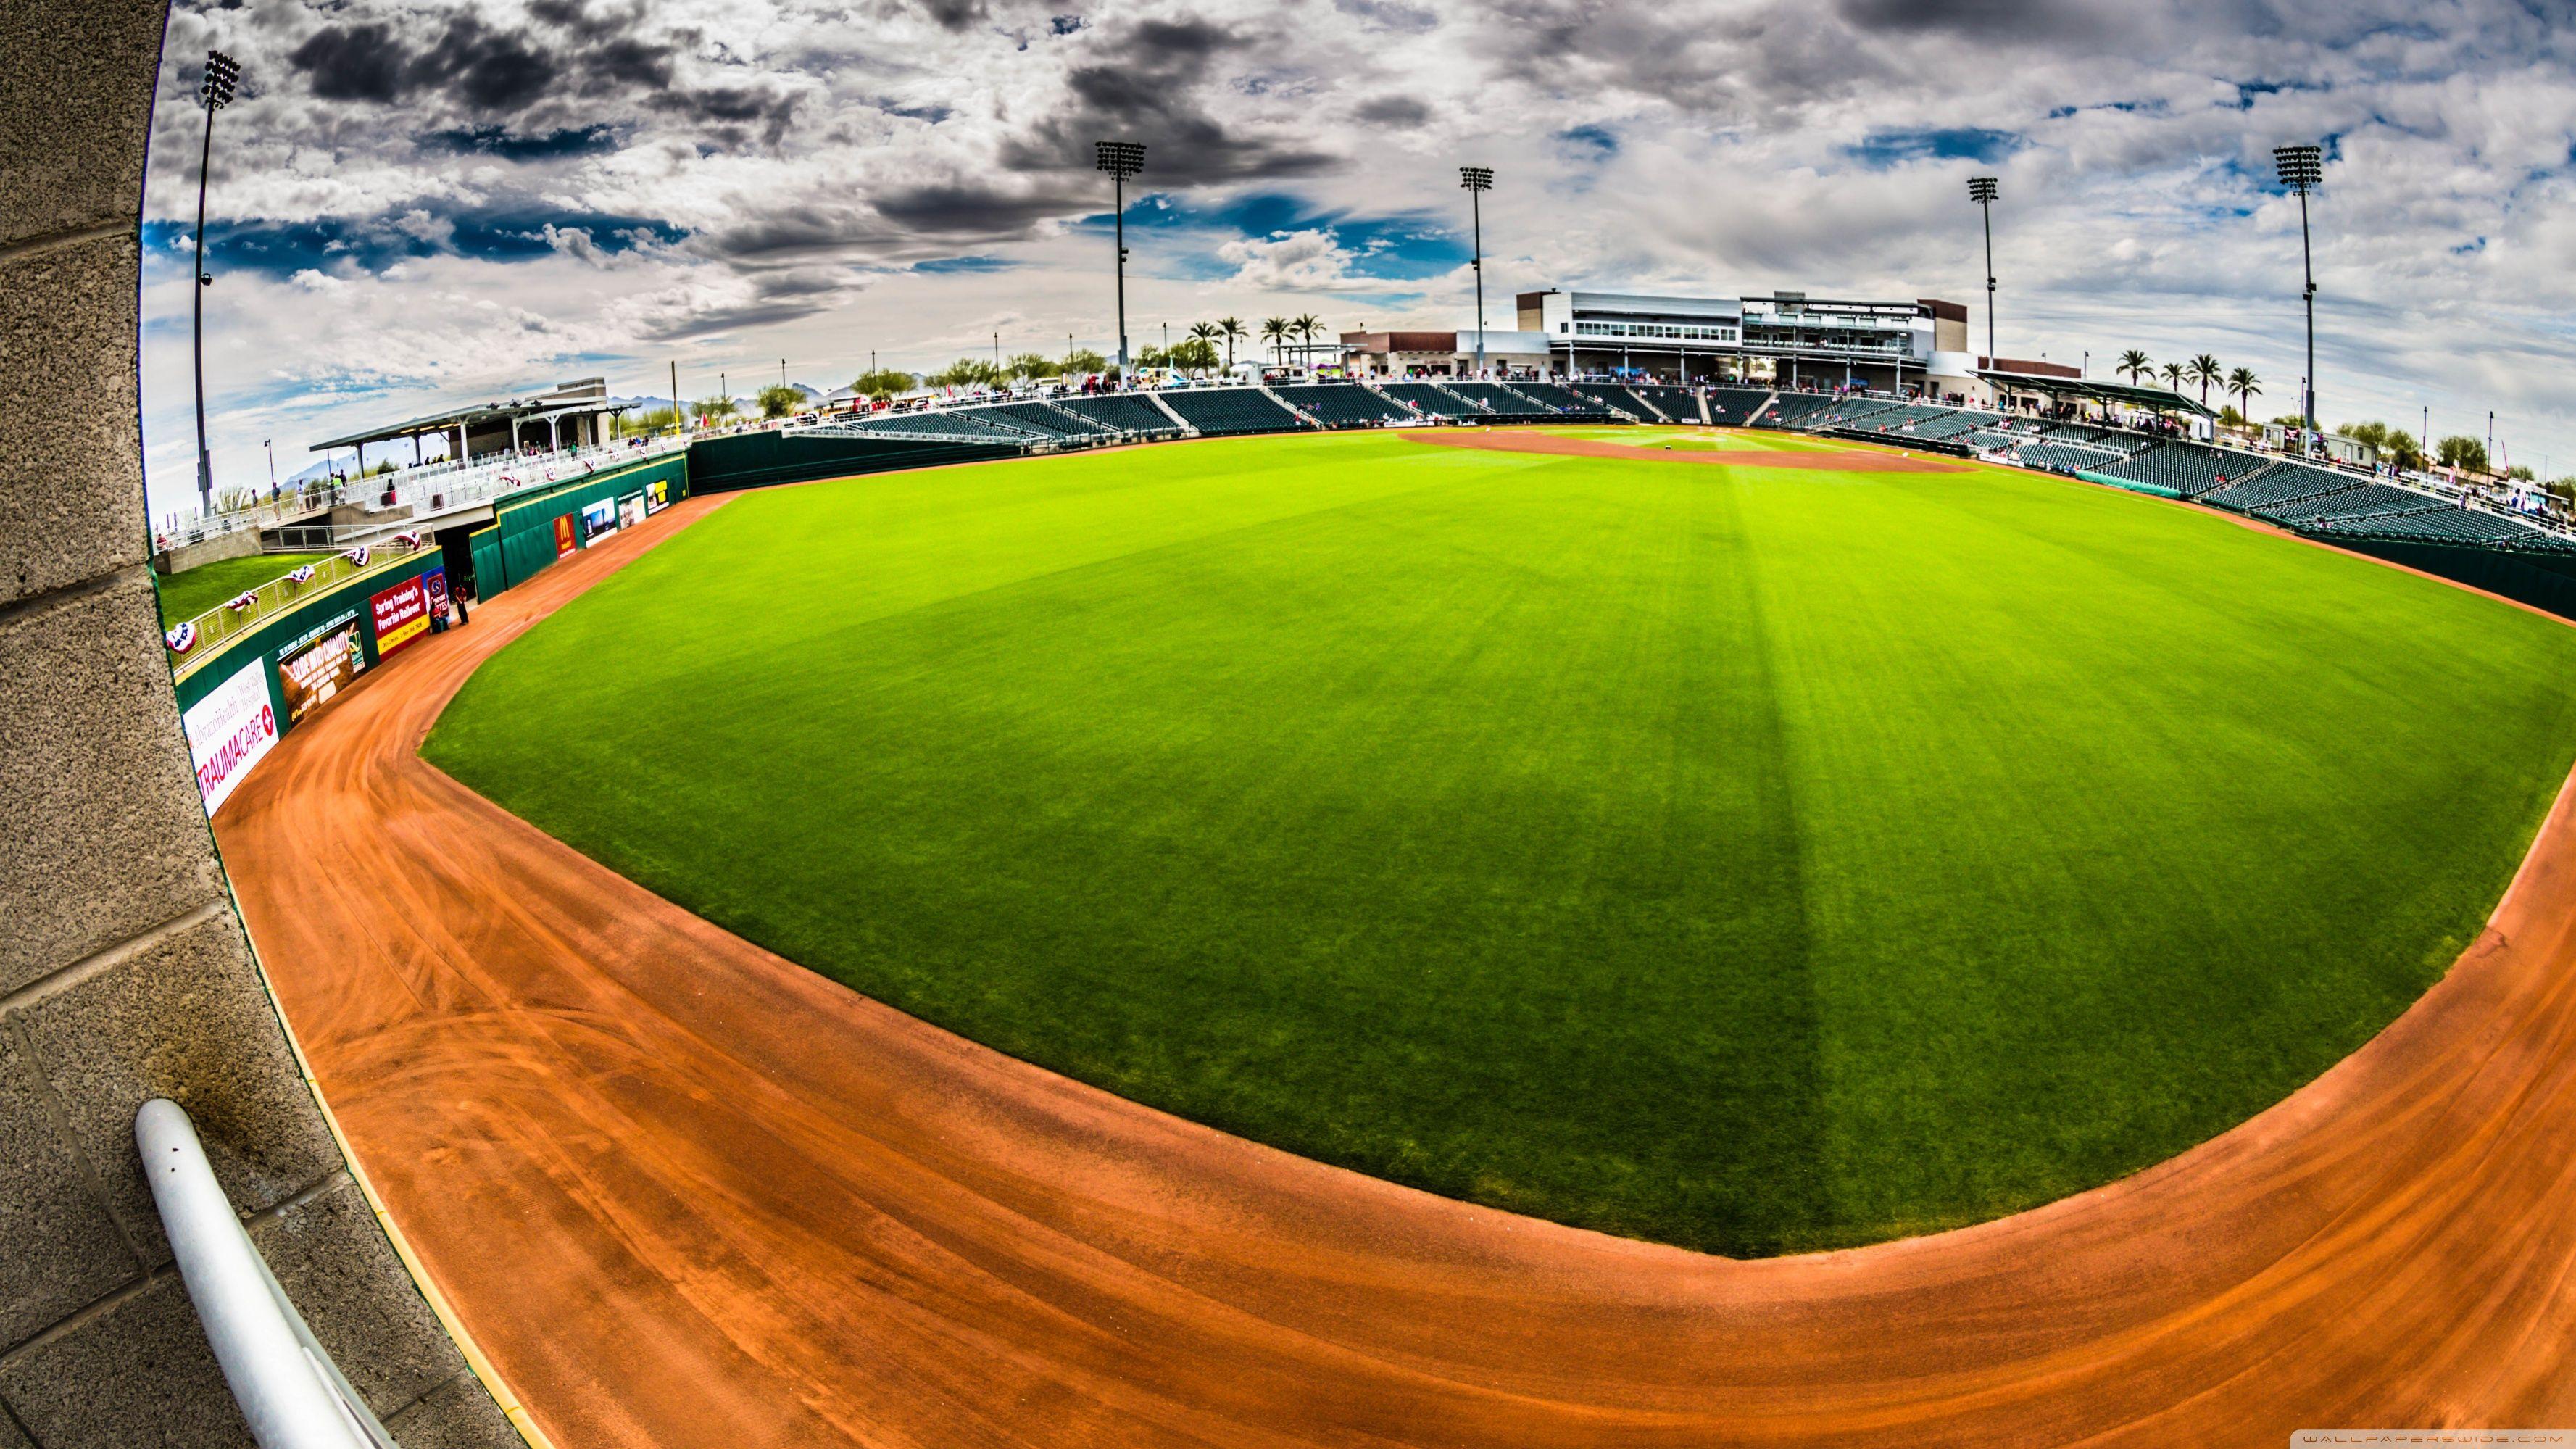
1477	180
678	417
223	73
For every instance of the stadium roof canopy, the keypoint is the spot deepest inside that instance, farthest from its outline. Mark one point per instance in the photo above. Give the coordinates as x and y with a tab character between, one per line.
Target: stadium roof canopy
2159	399
590	395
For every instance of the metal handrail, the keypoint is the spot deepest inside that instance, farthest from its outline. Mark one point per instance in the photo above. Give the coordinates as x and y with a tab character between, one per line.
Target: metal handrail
456	485
223	621
290	1392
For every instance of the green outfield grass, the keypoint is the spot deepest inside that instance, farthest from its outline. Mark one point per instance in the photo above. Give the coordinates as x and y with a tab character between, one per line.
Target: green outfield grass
186	595
1753	860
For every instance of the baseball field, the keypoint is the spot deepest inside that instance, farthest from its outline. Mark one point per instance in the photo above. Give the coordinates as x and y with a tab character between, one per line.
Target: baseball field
1755	858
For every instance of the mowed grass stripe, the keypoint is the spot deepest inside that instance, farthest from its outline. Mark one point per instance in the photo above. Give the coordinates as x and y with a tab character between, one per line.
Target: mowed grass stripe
1746	859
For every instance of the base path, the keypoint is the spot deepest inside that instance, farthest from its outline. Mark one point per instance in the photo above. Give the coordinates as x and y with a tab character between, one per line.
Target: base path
1832	460
689	1194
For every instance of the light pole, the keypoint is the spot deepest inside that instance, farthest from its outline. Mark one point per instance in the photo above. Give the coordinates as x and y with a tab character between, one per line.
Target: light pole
1122	159
2301	169
1478	180
1981	190
223	73
271	445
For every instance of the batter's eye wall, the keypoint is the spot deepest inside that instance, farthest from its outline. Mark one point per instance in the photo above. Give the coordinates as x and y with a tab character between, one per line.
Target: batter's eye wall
124	973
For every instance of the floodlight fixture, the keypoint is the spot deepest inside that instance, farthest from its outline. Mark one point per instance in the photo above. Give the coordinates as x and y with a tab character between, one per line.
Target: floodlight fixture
223	77
2302	169
1477	180
1121	160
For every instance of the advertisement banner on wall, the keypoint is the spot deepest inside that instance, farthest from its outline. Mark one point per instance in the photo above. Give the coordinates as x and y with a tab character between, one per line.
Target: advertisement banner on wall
598	520
657	496
229	731
630	510
435	582
565	540
317	667
402	615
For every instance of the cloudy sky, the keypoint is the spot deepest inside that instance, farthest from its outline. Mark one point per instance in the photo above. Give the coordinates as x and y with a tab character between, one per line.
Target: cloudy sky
420	203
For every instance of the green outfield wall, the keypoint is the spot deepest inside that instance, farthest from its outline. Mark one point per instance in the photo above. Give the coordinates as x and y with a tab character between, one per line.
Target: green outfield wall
535	526
2544	581
760	460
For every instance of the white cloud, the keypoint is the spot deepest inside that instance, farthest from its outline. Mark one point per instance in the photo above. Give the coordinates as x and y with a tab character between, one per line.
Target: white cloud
719	182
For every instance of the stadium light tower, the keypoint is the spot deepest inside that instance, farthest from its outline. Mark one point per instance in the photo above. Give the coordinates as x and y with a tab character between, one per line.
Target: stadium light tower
2301	169
1478	180
1981	190
1122	160
223	73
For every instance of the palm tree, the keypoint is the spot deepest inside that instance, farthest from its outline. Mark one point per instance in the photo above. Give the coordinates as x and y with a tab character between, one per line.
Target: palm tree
2172	374
1204	332
2133	362
1232	330
2204	370
1274	330
1307	325
2244	384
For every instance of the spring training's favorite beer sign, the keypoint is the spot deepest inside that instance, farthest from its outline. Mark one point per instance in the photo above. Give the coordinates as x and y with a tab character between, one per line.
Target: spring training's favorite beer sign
401	615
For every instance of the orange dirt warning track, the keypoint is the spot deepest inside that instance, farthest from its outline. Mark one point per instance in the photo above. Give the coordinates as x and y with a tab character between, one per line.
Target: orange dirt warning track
689	1194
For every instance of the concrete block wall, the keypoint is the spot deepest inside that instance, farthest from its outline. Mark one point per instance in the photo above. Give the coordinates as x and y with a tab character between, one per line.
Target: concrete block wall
124	972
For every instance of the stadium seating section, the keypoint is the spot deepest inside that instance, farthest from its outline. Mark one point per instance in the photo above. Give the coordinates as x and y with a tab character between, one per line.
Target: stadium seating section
1224	411
1430	401
1054	421
1343	405
1132	416
1680	404
2186	468
960	424
1734	407
1618	399
1791	409
1500	403
1570	403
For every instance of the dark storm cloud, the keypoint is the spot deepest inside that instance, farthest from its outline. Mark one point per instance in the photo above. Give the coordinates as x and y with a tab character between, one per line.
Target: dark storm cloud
2004	22
354	63
579	54
954	14
1393	111
969	210
1155	92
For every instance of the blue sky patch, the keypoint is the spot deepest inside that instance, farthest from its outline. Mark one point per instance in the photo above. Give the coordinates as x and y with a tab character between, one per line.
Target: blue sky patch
1951	143
942	266
283	248
500	141
1597	140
